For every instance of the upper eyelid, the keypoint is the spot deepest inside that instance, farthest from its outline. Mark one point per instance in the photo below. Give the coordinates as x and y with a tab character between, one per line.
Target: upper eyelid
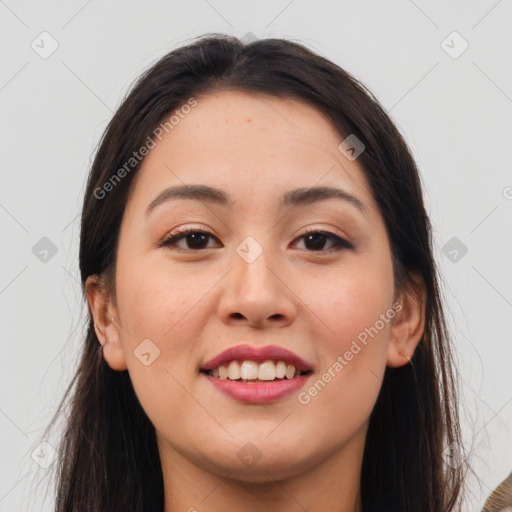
182	233
186	231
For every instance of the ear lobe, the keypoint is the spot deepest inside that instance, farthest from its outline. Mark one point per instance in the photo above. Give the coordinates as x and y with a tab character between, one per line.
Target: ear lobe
409	323
102	313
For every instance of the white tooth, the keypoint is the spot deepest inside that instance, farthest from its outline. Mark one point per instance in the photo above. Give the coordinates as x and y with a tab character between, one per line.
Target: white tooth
267	371
249	370
280	370
223	372
290	371
215	372
234	370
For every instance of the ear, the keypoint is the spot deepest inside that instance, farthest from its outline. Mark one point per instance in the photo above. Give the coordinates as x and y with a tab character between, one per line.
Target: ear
104	313
408	324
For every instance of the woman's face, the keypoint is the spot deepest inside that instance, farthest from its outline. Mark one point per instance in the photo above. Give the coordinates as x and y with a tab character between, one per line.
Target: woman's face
254	279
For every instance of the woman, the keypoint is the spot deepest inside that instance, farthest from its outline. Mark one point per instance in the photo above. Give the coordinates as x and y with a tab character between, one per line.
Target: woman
266	330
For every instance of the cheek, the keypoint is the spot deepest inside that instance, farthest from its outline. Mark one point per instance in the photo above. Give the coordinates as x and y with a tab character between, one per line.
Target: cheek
356	311
156	302
352	345
351	301
159	307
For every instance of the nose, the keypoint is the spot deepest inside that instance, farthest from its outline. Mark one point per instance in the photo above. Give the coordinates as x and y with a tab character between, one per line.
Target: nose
257	294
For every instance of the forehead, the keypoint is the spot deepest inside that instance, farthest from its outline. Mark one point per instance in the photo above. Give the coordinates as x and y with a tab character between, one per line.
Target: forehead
251	143
239	121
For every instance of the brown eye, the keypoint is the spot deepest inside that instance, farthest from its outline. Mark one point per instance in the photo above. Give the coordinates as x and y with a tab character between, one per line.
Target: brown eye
316	241
313	240
194	238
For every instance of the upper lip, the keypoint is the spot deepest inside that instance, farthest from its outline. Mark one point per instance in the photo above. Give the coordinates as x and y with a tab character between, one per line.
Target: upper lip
257	354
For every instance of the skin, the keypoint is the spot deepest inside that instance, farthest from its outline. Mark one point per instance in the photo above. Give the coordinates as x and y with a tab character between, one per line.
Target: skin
194	303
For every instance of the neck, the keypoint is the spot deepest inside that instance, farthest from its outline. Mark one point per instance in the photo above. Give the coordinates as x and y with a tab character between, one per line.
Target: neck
332	483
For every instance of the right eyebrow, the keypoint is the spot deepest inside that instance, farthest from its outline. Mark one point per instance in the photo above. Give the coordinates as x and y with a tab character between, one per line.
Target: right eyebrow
197	192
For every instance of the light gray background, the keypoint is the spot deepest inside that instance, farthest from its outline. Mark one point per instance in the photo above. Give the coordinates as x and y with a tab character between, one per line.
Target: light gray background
456	115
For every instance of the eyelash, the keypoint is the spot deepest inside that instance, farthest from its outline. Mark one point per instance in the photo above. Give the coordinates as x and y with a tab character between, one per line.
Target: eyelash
172	240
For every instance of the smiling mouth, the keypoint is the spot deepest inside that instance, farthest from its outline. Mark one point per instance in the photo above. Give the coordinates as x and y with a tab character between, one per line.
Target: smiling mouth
253	372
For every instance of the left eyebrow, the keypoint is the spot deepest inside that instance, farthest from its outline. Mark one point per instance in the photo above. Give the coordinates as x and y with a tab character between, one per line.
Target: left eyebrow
299	196
314	194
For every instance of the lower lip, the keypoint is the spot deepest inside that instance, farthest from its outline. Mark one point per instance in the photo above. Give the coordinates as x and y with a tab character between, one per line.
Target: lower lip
258	393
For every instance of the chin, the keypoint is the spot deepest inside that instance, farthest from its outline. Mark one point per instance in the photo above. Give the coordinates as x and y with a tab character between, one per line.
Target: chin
259	462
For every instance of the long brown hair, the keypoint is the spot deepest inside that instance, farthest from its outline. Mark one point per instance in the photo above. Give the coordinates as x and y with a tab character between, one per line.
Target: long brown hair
108	458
